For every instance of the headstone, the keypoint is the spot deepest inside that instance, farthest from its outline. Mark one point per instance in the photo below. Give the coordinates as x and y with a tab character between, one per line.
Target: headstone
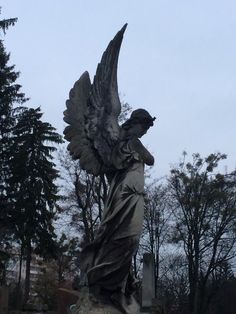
3	300
148	284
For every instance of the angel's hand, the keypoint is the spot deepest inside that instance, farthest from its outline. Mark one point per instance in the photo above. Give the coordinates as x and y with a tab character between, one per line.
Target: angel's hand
144	154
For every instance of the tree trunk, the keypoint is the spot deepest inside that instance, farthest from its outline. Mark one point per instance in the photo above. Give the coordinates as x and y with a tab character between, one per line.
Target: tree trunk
20	267
192	283
19	291
27	272
157	264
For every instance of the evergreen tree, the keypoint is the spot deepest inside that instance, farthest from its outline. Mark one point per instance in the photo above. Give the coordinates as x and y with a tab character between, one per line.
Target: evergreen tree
9	96
35	191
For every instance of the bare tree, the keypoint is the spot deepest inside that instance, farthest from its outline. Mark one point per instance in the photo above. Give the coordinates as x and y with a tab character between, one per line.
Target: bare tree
84	197
204	206
156	223
174	288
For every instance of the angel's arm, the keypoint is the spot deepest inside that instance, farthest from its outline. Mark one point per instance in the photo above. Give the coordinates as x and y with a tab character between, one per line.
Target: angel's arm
147	158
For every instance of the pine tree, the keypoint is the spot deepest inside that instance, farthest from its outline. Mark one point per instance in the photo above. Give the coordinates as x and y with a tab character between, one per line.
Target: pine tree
35	191
10	95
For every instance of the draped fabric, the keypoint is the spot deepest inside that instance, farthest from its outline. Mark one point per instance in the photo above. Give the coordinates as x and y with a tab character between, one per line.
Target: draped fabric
107	260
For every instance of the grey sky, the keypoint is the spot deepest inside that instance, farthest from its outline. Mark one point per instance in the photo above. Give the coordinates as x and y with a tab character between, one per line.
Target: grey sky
177	60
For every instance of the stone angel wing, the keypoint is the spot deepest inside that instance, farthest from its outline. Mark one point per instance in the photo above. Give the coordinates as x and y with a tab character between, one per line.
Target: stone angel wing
92	113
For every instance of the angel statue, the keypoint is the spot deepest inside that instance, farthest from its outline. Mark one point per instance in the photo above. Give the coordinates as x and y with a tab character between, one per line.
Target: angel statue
105	147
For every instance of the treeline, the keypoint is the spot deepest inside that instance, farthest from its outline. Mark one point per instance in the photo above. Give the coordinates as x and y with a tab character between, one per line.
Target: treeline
51	211
28	192
189	227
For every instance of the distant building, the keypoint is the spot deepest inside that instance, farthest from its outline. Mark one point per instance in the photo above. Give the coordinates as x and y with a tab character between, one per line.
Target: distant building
37	267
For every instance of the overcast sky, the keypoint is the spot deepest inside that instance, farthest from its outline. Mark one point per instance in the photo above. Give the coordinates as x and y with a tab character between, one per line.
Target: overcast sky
177	60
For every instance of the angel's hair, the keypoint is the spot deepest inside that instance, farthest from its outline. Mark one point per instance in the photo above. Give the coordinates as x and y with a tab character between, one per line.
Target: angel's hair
139	116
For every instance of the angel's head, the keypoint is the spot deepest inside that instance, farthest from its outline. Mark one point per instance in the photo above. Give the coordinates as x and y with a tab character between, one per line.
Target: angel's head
138	123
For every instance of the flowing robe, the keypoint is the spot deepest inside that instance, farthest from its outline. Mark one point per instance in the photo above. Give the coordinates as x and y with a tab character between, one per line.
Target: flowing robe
108	259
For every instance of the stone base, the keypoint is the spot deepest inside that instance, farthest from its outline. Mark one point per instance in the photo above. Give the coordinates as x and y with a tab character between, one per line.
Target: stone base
85	302
88	304
66	297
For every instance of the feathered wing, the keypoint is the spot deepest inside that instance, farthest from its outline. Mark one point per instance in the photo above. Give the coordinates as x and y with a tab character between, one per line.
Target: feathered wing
104	103
92	113
80	146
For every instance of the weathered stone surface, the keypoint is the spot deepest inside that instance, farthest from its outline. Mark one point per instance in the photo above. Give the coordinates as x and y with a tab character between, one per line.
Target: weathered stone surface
87	304
102	146
81	302
65	299
148	284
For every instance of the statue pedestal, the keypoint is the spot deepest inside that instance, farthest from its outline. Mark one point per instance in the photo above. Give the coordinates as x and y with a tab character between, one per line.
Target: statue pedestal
82	302
87	304
66	297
